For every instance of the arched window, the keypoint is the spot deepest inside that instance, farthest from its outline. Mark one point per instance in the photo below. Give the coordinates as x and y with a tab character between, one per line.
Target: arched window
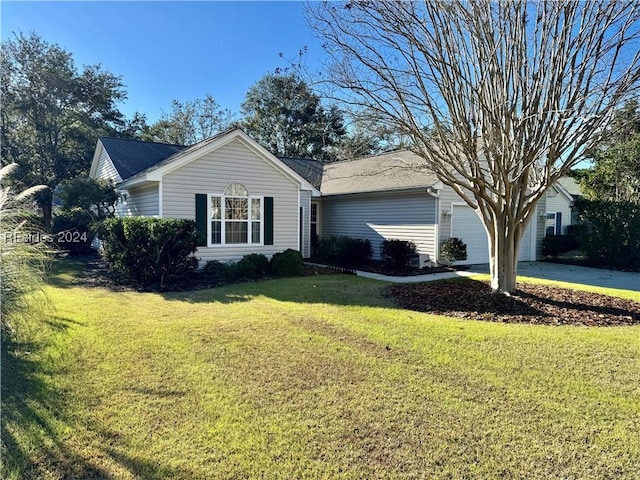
235	217
235	190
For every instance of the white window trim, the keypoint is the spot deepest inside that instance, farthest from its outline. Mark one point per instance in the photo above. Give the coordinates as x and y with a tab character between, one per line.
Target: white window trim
223	221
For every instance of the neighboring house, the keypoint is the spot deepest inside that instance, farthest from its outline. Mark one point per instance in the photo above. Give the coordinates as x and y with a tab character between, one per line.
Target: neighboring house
245	200
559	206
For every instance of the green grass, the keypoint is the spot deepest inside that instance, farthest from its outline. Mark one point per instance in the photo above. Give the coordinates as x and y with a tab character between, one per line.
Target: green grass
315	377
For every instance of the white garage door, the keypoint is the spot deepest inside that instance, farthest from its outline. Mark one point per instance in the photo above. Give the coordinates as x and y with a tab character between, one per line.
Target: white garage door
466	225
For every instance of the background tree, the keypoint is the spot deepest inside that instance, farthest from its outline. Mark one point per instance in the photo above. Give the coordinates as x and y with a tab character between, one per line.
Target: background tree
615	174
499	98
98	197
286	117
52	115
365	136
190	122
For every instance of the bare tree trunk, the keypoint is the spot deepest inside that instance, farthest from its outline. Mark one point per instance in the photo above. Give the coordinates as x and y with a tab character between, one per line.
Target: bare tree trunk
500	98
504	245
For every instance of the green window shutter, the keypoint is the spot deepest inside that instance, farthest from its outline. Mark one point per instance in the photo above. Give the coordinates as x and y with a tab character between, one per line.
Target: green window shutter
268	220
201	219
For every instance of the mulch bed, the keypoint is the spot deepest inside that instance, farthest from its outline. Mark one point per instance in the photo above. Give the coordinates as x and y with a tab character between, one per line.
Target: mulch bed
535	304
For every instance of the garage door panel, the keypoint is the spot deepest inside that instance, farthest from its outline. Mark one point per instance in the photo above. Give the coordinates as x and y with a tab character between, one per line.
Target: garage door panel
466	225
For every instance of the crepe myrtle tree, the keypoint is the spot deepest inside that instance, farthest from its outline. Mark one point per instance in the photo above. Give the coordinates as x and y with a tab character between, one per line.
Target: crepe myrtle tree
500	99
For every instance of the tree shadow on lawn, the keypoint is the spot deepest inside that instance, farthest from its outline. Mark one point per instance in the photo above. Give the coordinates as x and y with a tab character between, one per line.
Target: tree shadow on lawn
33	415
346	290
36	423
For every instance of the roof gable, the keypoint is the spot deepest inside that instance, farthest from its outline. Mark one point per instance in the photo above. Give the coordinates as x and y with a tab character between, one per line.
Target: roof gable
131	157
185	155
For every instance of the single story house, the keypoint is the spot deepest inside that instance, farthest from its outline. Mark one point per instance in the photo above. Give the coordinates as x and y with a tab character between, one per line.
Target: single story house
246	200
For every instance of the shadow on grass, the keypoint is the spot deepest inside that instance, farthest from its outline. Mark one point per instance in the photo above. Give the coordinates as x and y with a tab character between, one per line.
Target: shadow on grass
33	416
37	427
344	290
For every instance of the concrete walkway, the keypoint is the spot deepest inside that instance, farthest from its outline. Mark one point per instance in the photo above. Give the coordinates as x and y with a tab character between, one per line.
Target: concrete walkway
551	271
416	278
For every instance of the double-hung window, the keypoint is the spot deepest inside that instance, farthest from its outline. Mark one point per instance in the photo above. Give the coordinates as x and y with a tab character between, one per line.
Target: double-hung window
235	217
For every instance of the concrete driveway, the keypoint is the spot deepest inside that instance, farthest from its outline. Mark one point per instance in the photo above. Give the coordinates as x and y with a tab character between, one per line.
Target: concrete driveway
574	274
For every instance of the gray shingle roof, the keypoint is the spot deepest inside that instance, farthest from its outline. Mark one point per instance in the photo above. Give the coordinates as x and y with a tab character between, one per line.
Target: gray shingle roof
390	171
130	157
307	168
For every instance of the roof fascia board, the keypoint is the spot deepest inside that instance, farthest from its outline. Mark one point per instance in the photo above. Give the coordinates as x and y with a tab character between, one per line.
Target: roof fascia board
96	160
563	191
388	190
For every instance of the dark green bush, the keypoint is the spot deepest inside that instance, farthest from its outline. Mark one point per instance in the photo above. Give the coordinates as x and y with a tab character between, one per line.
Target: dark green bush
73	230
355	252
254	265
397	253
610	233
554	245
287	264
222	272
453	249
149	251
342	250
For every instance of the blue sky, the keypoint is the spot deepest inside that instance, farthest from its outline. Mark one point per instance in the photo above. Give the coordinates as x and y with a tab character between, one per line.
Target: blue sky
167	50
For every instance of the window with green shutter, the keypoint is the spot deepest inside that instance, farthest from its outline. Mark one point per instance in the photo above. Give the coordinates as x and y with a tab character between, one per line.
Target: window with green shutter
234	218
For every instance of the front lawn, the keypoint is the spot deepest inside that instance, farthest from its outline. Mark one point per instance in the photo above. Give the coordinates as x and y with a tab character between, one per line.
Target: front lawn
315	377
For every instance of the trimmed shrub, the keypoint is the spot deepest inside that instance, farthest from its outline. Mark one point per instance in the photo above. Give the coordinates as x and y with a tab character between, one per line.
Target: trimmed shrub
149	251
355	252
287	264
221	272
342	250
554	245
73	231
610	233
397	253
453	249
254	265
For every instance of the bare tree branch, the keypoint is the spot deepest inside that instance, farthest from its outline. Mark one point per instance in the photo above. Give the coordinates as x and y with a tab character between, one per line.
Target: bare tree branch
500	98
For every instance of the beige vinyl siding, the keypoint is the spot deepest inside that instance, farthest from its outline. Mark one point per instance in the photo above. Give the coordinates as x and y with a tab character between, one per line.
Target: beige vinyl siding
383	216
305	203
105	169
143	201
234	163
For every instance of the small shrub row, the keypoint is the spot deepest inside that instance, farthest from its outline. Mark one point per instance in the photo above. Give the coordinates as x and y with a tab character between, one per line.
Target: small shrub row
344	251
283	264
397	254
554	245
